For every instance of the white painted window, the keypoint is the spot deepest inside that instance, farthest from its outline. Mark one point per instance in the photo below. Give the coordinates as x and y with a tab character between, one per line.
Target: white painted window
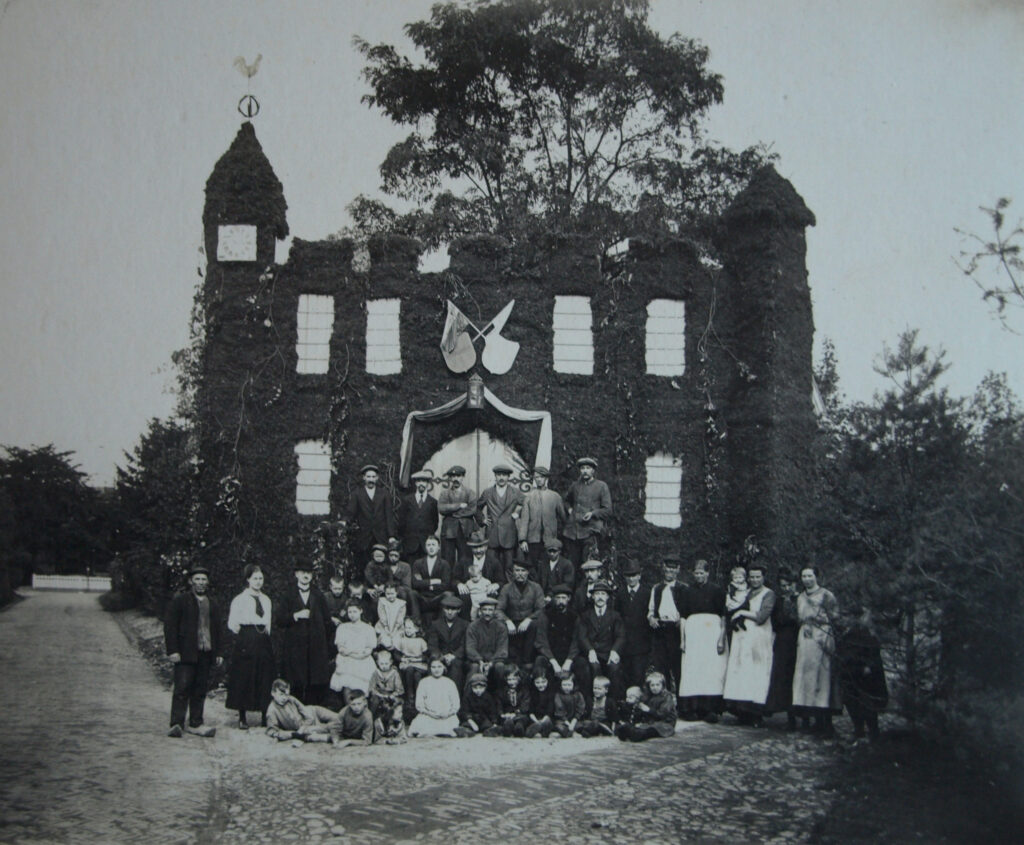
574	337
313	482
315	321
236	243
664	488
383	347
666	337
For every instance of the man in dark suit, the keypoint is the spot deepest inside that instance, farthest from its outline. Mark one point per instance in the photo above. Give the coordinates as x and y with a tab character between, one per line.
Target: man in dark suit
431	579
555	569
303	616
417	516
631	603
369	509
600	636
192	634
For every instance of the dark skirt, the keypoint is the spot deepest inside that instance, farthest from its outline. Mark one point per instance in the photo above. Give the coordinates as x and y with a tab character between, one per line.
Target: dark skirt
252	671
780	689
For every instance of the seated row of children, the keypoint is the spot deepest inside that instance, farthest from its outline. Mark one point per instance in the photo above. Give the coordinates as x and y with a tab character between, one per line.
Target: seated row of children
517	709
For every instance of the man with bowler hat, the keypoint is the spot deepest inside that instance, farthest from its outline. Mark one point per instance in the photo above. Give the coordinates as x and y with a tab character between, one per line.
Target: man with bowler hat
305	620
631	603
192	636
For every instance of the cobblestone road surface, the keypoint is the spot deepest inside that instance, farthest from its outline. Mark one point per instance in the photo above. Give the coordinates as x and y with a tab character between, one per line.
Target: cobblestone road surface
85	759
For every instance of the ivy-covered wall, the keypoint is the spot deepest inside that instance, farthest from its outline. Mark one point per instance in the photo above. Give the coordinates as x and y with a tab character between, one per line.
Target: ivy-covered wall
739	418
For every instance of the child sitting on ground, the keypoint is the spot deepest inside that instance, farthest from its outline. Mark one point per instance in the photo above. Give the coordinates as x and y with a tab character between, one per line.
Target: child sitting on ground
355	724
391	612
479	711
569	706
288	718
601	718
736	598
514	705
542	707
657	712
437	704
386	689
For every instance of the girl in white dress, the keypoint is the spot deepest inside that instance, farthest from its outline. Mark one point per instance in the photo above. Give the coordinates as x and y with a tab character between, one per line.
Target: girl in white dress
437	704
356	641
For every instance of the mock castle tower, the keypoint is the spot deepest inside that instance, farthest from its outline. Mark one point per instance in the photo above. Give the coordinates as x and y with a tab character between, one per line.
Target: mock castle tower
688	381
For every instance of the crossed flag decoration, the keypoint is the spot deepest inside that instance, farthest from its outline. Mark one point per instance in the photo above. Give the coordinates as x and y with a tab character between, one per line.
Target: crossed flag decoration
457	346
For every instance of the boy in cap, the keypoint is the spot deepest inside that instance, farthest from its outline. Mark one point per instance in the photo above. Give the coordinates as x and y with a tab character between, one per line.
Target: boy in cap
446	639
417	515
192	636
369	510
303	616
589	505
457	505
541	521
499	508
479	711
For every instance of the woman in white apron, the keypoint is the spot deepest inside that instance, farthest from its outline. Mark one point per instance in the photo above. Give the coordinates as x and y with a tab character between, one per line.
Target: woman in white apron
750	653
815	678
703	644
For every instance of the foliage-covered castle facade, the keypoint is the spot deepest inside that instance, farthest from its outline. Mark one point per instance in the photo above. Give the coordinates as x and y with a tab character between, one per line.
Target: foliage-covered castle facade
689	380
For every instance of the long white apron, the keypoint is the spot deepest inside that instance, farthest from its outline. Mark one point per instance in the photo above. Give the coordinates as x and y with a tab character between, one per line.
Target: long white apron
702	668
750	659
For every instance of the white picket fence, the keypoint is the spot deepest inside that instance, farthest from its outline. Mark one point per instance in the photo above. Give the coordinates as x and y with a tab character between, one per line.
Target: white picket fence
78	583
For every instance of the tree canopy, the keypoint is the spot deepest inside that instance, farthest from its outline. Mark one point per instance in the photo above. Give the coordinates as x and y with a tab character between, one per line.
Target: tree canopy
573	115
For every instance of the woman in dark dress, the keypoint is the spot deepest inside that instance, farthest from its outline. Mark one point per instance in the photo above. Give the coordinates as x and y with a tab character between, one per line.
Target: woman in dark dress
787	626
252	663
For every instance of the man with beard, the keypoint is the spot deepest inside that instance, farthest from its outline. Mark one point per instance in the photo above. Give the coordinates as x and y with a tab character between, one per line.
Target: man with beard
556	632
519	604
631	604
417	516
540	522
457	505
303	616
192	635
589	504
703	647
369	509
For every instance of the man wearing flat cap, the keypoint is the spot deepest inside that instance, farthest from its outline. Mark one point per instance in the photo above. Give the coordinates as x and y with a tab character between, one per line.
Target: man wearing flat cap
556	635
541	520
369	510
554	569
592	573
589	504
631	603
487	643
666	607
457	505
417	516
498	508
192	635
446	638
305	620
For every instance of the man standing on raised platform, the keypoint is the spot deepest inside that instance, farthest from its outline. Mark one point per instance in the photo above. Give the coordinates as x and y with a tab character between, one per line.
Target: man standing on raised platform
457	506
589	504
499	508
542	516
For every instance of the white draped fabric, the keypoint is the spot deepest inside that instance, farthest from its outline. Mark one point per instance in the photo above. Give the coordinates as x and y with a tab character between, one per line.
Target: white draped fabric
450	408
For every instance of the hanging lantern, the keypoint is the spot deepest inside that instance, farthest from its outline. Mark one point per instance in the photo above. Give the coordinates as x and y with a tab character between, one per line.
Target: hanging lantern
475	394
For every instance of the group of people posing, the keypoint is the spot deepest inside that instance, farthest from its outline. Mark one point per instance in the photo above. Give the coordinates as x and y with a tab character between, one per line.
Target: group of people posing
528	643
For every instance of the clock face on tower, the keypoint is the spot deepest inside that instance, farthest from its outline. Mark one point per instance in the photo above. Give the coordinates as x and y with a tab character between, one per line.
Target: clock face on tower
236	243
457	342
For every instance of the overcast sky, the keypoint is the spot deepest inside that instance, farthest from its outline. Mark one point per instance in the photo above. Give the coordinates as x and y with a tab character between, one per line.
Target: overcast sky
895	121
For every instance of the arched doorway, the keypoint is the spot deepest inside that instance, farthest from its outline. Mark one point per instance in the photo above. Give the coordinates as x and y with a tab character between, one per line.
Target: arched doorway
478	451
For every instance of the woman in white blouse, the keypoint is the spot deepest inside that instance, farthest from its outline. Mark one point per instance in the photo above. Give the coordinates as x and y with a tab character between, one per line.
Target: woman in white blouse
252	663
